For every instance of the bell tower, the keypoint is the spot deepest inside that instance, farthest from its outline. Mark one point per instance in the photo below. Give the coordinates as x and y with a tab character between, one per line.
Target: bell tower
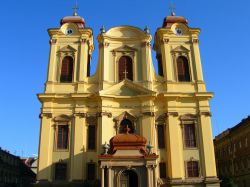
178	55
70	53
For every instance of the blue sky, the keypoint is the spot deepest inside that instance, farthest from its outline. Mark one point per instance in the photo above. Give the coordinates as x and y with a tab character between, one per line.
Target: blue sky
224	45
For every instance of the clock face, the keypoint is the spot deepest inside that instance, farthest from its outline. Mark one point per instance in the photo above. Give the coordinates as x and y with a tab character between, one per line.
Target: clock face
69	31
179	31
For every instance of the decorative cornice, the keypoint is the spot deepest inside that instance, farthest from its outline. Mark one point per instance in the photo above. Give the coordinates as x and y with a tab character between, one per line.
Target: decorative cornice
47	115
80	114
100	114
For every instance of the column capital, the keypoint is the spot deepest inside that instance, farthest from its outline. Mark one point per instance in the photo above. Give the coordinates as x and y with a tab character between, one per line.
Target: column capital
174	114
164	40
47	115
151	114
205	113
52	41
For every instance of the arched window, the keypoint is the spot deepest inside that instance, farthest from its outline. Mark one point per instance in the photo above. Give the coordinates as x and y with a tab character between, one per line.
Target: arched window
67	69
125	68
124	123
183	69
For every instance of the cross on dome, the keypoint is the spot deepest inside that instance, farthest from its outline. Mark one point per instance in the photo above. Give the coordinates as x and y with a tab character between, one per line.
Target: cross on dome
75	10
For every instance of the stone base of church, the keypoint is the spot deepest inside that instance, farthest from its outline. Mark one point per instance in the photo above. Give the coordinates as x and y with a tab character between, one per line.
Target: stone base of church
76	183
199	182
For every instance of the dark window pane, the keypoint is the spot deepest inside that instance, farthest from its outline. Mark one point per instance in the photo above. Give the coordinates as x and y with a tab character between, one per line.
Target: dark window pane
67	69
192	169
189	135
162	167
125	68
160	67
124	123
92	137
183	69
62	137
91	171
161	136
60	171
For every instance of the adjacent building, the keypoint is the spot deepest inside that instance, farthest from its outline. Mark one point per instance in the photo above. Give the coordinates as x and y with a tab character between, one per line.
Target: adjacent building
126	125
13	172
232	148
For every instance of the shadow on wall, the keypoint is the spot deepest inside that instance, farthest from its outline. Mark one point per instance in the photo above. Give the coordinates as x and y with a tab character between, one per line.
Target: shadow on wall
58	174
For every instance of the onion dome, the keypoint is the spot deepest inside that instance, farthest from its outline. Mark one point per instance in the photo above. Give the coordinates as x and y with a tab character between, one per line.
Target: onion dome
170	20
127	141
79	21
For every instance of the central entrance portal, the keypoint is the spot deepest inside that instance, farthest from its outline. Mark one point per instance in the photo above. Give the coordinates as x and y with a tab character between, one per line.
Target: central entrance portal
129	179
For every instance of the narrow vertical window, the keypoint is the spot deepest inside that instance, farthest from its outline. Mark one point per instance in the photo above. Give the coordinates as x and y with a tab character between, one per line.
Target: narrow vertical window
183	69
66	69
192	169
189	135
161	136
162	168
60	171
125	68
91	137
62	136
91	171
88	66
160	68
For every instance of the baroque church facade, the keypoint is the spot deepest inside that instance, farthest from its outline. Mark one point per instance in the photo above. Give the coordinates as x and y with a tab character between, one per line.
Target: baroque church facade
125	126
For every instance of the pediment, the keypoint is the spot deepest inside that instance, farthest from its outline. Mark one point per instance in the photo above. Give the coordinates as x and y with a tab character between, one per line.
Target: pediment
62	118
180	49
127	88
125	48
68	48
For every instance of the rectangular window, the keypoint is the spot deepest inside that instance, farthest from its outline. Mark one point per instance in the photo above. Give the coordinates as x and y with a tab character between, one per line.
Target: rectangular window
192	169
189	135
60	171
162	168
91	171
161	136
62	136
92	137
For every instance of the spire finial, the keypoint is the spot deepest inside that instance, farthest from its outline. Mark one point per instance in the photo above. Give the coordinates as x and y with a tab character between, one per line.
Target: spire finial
75	9
171	6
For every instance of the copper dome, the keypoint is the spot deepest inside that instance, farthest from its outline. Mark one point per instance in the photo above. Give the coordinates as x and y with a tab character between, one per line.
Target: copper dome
170	20
79	21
